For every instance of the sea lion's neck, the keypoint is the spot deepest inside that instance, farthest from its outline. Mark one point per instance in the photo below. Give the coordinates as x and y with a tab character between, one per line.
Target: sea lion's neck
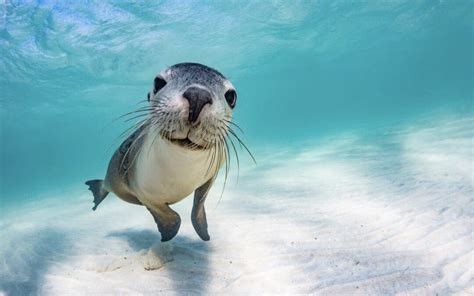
169	171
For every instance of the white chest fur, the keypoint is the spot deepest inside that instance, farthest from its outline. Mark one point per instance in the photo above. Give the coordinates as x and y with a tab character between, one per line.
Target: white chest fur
167	173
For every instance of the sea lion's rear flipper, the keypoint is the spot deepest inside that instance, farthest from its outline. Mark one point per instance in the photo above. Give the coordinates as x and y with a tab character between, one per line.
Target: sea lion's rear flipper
97	188
167	220
198	214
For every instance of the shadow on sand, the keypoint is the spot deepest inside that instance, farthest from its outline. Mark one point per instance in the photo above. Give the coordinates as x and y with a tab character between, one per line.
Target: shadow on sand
27	259
189	270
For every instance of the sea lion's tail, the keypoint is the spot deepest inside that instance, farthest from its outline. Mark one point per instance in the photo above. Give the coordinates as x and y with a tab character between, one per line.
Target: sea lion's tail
97	188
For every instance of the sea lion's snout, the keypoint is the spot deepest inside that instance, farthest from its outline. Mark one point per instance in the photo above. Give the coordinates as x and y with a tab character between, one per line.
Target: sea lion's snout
197	98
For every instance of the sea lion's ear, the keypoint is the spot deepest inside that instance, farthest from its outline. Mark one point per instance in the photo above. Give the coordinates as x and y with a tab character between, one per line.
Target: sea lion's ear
148	96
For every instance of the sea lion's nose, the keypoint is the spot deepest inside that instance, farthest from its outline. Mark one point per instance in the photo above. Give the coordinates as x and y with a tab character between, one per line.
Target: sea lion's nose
197	98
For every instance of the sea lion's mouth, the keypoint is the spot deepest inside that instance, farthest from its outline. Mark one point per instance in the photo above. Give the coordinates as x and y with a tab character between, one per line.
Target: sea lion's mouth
187	143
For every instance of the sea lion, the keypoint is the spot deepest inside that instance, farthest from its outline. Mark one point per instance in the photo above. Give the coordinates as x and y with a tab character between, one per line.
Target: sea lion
178	148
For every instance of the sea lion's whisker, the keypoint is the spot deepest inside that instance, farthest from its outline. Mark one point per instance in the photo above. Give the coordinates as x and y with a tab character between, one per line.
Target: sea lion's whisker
212	154
236	157
234	124
226	173
157	132
242	144
134	141
142	134
137	116
133	127
140	110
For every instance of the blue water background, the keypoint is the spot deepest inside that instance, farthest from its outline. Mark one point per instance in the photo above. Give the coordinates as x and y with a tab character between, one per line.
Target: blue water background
303	70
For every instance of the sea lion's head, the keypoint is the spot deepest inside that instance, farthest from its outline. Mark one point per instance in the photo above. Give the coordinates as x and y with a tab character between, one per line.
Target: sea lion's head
191	105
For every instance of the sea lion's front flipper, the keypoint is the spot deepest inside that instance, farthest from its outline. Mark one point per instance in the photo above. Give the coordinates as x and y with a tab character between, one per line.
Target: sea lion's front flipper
167	220
198	214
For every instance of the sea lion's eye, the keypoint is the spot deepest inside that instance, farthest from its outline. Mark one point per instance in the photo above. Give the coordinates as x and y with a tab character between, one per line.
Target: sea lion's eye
159	84
231	97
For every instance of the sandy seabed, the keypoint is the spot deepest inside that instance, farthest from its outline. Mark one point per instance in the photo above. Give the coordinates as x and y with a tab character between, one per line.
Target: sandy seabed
384	215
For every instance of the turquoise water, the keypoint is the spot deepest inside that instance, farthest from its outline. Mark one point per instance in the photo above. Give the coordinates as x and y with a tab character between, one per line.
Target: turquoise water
359	113
303	71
